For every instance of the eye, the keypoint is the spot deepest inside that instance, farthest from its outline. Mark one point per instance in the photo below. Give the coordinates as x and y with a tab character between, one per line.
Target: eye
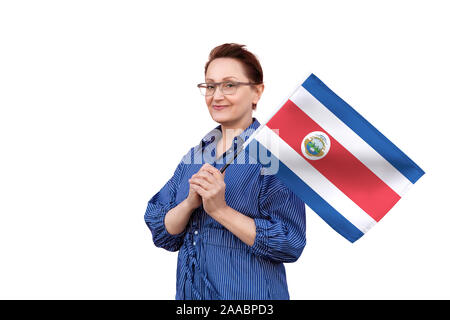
209	86
230	84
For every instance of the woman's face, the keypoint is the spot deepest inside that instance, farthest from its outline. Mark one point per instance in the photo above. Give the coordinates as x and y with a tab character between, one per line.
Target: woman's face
238	105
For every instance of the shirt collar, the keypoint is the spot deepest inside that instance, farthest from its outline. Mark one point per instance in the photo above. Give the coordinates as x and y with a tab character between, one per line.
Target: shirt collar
239	139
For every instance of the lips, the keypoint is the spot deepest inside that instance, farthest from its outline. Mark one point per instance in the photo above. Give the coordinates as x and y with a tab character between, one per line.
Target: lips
218	107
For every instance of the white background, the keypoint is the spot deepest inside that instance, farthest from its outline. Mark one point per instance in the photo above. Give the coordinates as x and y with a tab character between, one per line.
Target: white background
98	103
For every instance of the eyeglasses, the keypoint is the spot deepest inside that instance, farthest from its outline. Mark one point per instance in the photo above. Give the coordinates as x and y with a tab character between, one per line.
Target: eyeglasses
226	87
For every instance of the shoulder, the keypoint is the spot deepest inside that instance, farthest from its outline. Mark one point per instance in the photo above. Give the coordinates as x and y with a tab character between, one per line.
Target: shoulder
187	157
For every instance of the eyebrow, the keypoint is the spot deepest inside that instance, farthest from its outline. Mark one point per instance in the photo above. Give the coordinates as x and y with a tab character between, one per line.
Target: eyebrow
222	79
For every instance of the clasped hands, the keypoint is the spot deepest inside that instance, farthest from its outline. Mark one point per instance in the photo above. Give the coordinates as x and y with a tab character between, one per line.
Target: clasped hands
207	186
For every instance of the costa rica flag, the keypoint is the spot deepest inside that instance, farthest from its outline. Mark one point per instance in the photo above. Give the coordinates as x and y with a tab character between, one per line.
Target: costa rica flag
333	159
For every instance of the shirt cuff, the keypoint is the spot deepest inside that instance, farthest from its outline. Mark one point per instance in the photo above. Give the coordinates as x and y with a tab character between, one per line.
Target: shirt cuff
161	237
266	234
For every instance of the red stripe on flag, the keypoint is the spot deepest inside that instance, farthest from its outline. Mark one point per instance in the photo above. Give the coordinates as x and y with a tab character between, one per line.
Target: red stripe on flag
339	166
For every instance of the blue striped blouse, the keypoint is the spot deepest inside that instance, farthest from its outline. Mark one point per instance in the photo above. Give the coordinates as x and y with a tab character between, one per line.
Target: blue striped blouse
212	262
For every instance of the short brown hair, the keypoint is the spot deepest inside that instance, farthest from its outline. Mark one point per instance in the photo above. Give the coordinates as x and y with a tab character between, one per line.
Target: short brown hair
250	62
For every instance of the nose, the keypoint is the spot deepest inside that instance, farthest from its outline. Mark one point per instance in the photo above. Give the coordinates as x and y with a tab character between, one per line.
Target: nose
218	94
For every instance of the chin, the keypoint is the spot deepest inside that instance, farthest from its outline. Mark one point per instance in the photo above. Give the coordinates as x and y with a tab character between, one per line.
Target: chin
220	118
220	115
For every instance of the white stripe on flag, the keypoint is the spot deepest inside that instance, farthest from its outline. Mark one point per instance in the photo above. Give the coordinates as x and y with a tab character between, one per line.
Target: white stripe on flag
314	179
350	140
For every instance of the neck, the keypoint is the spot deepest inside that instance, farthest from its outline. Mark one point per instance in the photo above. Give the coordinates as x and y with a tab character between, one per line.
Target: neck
229	130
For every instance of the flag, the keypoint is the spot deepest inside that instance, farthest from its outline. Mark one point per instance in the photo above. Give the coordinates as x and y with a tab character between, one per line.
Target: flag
333	159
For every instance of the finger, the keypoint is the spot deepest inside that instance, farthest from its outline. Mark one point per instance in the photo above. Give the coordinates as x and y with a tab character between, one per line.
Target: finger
206	166
214	171
200	172
201	182
206	175
217	174
199	189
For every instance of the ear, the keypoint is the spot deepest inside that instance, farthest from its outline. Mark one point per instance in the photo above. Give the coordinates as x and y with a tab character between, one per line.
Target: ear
259	91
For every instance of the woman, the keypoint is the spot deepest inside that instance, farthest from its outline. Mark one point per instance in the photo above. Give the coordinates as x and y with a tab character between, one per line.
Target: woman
233	230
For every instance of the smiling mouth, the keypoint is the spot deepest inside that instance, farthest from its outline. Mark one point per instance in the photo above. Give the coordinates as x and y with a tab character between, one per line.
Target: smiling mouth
216	107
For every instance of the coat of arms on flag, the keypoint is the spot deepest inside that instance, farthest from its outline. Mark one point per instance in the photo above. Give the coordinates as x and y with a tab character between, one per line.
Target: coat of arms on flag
338	163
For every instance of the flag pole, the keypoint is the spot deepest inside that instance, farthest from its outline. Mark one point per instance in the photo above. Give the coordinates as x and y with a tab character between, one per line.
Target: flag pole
230	161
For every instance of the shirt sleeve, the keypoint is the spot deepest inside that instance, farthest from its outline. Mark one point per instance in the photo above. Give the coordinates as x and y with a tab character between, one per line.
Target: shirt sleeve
157	208
281	231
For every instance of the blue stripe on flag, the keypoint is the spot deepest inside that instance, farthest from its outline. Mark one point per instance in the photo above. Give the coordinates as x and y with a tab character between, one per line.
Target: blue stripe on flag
363	128
309	196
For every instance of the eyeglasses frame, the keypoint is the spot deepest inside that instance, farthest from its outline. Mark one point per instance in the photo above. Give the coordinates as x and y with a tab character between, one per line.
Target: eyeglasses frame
220	87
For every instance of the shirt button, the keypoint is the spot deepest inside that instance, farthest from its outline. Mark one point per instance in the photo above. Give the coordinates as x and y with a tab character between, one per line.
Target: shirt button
195	232
194	243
